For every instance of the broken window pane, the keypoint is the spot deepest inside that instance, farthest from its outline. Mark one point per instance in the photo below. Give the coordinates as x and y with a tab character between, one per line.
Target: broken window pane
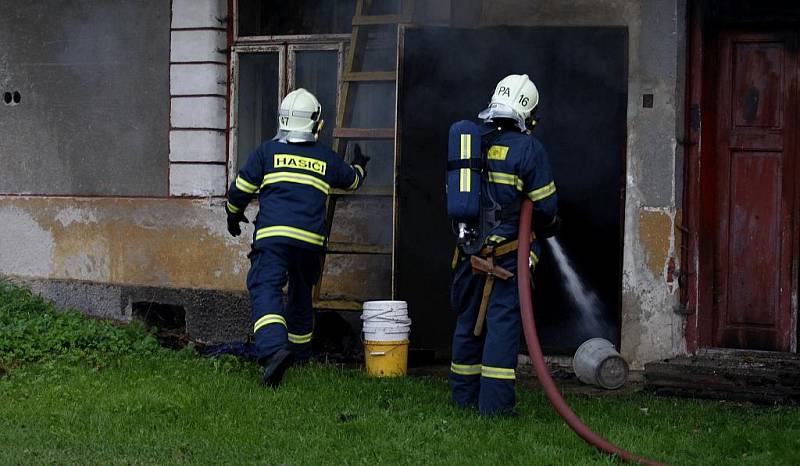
280	18
259	84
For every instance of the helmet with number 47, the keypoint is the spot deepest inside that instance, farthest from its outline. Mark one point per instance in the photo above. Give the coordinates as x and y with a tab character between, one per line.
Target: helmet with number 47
299	117
515	97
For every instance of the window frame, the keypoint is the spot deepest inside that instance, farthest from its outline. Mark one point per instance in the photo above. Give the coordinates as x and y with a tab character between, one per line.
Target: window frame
286	47
233	125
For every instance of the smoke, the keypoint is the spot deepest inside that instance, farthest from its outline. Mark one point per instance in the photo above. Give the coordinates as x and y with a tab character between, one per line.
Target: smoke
590	308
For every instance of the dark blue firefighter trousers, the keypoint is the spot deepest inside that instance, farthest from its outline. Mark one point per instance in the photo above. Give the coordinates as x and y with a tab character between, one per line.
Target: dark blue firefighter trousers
277	322
482	372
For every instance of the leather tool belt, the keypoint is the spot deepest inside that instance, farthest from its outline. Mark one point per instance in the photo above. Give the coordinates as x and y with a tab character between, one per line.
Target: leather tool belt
483	264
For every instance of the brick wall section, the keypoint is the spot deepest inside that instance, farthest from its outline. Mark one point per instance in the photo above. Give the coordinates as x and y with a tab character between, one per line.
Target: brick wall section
198	87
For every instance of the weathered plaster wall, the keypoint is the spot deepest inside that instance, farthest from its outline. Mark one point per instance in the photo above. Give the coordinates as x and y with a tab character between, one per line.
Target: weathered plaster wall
650	328
148	242
198	87
97	252
93	78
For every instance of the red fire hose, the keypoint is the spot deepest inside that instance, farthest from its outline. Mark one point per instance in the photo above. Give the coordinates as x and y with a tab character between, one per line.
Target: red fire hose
535	350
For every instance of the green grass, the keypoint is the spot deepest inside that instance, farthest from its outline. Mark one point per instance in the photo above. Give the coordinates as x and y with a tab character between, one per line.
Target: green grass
77	390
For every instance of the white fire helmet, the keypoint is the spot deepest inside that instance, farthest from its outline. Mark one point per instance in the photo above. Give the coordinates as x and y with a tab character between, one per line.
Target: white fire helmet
515	97
299	117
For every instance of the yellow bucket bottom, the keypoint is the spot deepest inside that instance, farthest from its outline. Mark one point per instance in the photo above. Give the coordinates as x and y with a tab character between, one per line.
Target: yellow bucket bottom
386	358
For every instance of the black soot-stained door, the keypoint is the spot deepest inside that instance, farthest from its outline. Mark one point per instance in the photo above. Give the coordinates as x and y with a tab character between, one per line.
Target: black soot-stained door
449	74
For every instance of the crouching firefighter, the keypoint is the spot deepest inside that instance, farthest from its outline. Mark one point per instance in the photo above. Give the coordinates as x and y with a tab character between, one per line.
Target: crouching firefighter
291	175
492	166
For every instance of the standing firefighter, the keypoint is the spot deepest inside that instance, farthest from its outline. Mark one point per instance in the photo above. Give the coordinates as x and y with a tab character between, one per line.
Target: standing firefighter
492	167
292	175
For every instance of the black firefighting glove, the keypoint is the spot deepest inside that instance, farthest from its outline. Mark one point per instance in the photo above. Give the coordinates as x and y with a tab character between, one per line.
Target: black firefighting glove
359	158
233	223
549	229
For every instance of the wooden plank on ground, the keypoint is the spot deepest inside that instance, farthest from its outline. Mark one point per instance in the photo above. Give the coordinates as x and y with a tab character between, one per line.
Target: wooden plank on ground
739	376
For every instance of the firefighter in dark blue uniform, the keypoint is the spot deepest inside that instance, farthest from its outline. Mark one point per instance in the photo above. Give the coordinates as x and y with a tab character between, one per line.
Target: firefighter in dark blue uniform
486	339
292	176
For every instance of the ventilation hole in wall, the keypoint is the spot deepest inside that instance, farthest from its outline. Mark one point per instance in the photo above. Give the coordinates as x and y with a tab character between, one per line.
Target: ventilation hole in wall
167	320
7	98
647	100
17	97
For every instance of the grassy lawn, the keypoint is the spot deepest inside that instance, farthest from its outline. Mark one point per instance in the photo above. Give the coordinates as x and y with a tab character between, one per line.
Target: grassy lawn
75	390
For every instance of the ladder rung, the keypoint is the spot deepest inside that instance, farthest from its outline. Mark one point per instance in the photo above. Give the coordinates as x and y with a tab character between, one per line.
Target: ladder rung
376	191
363	133
370	76
356	248
374	20
338	304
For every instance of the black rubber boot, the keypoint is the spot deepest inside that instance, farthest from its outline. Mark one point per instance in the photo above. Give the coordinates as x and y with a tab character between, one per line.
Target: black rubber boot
275	367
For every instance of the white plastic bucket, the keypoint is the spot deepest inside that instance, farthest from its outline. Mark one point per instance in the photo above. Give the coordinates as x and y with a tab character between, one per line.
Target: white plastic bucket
596	362
384	305
385	321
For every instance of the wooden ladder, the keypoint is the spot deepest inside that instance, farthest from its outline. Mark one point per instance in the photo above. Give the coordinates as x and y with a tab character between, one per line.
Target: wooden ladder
342	133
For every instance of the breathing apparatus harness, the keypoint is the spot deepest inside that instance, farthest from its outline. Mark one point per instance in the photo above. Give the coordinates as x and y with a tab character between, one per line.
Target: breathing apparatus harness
473	208
471	204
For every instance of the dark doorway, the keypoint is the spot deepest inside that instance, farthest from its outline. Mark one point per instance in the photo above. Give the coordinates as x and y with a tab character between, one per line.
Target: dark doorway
448	75
743	198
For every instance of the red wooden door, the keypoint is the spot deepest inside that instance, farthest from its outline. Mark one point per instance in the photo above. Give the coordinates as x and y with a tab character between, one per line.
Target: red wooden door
756	232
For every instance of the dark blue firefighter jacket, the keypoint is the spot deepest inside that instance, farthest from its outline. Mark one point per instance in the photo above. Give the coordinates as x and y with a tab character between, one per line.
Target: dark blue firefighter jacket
292	182
518	166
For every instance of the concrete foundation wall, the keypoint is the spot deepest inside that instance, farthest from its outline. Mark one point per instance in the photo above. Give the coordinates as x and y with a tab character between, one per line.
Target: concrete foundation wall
178	248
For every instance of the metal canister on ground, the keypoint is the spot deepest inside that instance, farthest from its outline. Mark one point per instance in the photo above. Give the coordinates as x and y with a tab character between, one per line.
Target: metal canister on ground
597	362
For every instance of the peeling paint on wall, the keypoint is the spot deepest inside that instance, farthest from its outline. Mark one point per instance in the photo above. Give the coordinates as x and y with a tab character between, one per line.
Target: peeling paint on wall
170	243
655	229
651	328
154	242
25	247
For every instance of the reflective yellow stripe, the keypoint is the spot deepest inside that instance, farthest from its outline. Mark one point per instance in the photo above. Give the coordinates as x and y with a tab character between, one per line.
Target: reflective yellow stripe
300	339
464	174
465	369
497	152
290	232
245	185
269	319
498	373
534	259
496	239
356	180
543	192
506	178
299	178
233	209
